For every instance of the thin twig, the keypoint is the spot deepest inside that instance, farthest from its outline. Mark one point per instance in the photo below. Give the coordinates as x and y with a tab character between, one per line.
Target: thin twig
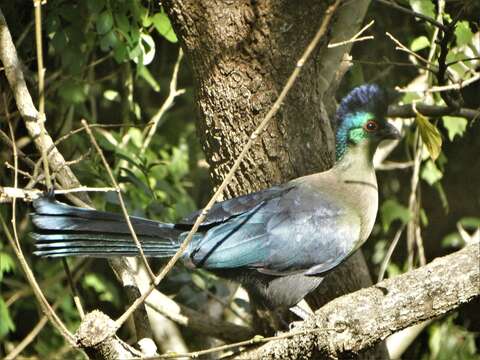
4	137
402	47
457	86
173	93
388	255
413	13
30	336
356	37
406	111
33	121
388	62
37	4
253	341
21	172
120	198
78	160
463	60
413	201
46	283
15	243
273	110
7	194
71	282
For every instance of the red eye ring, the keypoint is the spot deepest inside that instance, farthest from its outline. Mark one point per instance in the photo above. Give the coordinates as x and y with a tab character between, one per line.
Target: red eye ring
371	126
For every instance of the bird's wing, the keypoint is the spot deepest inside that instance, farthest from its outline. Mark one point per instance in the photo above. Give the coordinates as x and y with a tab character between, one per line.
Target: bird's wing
301	230
224	210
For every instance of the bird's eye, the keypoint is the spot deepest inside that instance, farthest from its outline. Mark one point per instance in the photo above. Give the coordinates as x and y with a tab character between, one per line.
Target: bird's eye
371	126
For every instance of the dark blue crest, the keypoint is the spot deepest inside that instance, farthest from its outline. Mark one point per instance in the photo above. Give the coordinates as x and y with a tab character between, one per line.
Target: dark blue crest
365	98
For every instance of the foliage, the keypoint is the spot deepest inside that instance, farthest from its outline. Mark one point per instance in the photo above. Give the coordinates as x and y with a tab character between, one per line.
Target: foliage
449	341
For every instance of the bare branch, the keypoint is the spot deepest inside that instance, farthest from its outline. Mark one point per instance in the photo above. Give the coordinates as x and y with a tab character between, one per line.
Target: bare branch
33	123
406	111
9	193
96	335
414	14
367	316
37	4
152	125
355	38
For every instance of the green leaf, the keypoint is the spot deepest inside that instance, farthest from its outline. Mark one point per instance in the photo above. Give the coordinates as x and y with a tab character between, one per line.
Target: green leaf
430	135
454	125
120	53
463	33
164	27
424	7
59	41
143	72
6	264
109	41
104	22
122	22
430	173
111	95
453	240
449	341
101	287
132	178
95	6
6	323
73	92
391	210
470	222
419	43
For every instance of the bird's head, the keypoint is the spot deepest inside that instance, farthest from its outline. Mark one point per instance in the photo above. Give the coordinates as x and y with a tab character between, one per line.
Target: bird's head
361	119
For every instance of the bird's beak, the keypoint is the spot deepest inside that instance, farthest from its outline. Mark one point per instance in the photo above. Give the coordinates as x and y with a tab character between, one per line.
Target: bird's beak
390	132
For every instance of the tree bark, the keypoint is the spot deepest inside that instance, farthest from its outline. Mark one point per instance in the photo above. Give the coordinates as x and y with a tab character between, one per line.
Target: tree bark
241	53
355	322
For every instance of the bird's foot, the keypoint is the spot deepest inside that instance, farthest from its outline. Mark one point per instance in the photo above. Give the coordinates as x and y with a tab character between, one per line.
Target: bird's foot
302	310
294	324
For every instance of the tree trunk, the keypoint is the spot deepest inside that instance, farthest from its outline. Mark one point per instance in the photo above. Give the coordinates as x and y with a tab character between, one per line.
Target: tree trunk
241	53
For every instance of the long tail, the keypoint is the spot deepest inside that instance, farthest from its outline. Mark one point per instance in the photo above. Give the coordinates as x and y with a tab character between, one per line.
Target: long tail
63	230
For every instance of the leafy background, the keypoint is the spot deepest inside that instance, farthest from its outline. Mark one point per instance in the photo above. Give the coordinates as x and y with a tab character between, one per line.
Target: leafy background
111	62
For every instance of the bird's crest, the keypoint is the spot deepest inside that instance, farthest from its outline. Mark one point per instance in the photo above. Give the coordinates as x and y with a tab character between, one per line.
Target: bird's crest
369	98
361	105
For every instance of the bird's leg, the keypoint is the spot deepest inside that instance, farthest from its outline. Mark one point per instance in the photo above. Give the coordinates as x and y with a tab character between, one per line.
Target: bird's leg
302	310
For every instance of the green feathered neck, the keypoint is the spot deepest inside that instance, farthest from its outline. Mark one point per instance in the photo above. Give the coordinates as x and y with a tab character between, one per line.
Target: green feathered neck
350	131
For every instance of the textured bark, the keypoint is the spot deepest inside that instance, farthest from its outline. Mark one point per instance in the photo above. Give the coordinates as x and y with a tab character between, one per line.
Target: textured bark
96	336
355	322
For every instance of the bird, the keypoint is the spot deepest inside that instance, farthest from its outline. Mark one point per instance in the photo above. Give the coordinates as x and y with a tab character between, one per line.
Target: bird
279	243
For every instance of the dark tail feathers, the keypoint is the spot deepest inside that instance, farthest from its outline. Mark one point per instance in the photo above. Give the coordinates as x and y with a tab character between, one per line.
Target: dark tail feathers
63	230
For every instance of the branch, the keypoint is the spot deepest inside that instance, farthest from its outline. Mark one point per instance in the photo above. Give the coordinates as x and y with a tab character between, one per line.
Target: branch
407	111
365	317
7	194
33	121
96	335
152	125
414	14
